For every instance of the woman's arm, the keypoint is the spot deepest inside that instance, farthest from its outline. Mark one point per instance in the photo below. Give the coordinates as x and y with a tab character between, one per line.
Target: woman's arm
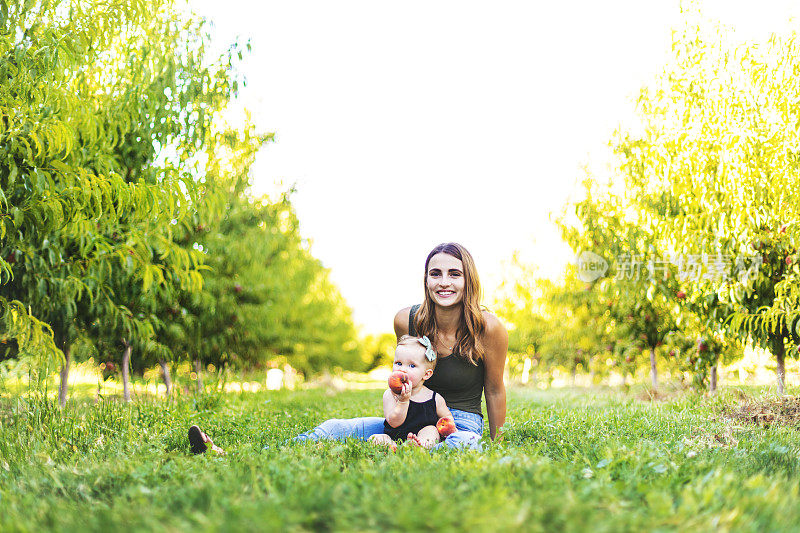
496	345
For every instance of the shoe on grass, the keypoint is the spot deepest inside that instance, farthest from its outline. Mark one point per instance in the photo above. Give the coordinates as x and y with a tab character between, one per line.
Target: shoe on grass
199	442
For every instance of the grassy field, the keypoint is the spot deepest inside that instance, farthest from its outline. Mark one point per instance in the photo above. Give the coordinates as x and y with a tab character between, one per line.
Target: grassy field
571	461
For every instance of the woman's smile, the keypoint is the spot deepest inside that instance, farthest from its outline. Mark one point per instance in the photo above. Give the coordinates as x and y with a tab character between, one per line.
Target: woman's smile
445	279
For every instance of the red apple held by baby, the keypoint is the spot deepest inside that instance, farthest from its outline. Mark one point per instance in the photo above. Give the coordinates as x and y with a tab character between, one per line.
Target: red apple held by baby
446	426
397	380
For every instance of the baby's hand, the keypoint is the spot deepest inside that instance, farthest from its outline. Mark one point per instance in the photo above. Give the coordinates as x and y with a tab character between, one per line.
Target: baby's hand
405	393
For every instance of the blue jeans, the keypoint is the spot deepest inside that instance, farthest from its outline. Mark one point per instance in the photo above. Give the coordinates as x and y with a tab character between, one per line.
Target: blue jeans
469	428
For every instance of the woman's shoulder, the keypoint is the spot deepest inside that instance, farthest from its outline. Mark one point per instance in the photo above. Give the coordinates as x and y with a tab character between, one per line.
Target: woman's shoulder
495	337
401	322
493	325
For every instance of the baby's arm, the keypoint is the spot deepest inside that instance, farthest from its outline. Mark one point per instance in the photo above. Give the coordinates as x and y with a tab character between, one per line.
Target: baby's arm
441	407
395	407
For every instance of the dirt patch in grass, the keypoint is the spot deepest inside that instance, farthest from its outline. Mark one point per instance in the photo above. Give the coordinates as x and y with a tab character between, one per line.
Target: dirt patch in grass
663	394
702	438
783	411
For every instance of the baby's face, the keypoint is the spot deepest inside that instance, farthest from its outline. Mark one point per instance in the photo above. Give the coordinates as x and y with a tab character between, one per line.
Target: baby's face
411	361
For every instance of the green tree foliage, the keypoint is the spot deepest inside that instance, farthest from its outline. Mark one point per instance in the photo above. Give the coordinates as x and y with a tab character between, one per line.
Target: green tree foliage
718	149
124	214
265	296
639	289
707	184
94	97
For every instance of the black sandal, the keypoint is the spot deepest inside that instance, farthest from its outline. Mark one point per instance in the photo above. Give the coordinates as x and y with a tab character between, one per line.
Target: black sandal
196	442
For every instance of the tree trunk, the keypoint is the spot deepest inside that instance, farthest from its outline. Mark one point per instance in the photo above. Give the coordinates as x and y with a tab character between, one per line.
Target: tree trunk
126	362
780	355
574	371
64	374
165	376
197	370
712	385
653	371
526	371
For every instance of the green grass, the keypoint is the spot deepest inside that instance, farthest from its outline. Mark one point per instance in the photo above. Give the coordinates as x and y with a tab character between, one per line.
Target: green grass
592	461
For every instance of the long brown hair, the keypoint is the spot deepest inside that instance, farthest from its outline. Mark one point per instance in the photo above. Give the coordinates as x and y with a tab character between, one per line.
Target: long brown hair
472	326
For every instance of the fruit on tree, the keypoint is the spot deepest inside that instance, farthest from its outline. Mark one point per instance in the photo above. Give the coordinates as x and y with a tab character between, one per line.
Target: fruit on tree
446	426
397	380
681	295
672	353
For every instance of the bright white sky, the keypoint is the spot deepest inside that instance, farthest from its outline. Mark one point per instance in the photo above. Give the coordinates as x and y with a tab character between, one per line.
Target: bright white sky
408	124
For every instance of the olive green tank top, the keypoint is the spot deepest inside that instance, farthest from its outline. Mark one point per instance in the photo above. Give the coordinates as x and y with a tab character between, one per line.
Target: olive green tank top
458	381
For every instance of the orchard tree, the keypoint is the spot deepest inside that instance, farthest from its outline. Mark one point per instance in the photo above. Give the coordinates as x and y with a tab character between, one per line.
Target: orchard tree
523	302
718	147
640	287
100	128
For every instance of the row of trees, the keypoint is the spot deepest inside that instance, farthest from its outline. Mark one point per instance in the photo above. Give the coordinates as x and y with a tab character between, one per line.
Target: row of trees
698	225
126	227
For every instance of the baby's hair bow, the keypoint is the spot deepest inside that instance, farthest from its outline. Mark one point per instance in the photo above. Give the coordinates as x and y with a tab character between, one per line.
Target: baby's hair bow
430	354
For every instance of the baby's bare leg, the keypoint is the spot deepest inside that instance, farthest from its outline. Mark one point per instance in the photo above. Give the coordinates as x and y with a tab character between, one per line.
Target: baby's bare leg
426	438
382	439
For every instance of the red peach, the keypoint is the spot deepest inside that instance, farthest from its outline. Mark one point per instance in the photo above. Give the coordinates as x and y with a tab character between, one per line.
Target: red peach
446	426
397	380
681	295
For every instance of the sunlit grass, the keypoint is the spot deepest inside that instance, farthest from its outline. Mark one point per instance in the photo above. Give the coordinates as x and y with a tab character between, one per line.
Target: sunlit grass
573	460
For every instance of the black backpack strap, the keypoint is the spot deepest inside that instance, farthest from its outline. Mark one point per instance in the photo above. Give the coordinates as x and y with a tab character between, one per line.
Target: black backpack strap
412	330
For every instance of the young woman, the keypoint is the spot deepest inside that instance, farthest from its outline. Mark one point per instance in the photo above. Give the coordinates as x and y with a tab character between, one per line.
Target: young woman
471	345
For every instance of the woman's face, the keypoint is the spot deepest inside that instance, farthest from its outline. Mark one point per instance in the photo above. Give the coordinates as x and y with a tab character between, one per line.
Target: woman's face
445	280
